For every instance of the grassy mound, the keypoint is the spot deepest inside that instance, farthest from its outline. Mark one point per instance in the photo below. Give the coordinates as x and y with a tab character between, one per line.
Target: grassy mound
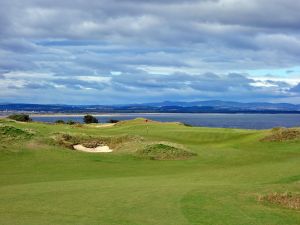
283	134
164	152
136	121
113	142
13	133
287	200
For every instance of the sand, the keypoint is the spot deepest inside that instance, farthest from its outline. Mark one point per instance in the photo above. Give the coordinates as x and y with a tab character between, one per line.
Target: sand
103	125
104	148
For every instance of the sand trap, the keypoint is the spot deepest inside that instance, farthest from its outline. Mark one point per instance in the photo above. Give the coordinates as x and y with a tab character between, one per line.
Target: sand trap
103	125
104	148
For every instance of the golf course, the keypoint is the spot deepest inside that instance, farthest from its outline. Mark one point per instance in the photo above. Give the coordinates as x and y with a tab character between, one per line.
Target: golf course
151	173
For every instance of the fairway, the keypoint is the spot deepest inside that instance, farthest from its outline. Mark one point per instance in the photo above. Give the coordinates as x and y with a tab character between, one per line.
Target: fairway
217	182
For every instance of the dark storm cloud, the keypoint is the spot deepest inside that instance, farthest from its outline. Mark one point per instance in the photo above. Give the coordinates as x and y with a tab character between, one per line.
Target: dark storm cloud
150	21
235	24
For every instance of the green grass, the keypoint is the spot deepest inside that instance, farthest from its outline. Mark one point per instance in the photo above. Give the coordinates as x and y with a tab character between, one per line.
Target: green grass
160	151
41	182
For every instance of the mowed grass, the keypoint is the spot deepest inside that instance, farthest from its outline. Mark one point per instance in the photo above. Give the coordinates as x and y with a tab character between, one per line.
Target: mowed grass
42	182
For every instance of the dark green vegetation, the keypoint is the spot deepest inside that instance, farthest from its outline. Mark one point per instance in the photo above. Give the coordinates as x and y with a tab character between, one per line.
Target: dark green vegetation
69	122
60	121
20	117
44	182
113	121
90	119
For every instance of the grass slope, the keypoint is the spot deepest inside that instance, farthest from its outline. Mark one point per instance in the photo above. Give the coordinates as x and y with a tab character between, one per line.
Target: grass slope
42	182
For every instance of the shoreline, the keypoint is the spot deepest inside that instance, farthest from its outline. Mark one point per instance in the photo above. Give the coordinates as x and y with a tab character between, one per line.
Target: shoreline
37	115
96	114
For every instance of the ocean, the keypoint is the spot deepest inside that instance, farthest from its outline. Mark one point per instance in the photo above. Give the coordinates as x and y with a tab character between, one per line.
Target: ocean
245	121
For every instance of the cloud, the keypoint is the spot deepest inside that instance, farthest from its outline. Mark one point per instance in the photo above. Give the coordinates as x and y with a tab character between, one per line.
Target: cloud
79	84
296	88
182	49
208	82
141	87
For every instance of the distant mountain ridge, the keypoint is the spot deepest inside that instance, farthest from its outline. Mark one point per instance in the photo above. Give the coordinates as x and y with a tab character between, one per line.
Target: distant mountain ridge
213	106
218	103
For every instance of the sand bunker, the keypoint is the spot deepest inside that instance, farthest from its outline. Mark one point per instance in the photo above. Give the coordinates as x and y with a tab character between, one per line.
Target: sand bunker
103	148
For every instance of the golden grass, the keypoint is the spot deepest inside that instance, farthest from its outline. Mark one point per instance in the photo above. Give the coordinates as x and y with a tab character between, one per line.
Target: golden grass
287	200
283	134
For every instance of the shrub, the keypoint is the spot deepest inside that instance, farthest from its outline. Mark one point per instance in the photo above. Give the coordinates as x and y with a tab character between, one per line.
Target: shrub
20	117
60	121
71	122
90	119
113	121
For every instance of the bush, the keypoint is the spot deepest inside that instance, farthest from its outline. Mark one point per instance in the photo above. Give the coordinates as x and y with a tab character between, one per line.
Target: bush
90	119
113	121
20	117
71	122
60	121
187	125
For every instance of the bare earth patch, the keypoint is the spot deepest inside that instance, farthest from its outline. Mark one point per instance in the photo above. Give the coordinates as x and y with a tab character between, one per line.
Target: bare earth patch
287	200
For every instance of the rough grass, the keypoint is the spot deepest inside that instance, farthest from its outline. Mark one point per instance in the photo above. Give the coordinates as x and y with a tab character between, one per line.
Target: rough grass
88	141
287	200
12	133
164	152
283	134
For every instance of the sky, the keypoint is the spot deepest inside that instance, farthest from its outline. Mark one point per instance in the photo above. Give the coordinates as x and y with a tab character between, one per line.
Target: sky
137	51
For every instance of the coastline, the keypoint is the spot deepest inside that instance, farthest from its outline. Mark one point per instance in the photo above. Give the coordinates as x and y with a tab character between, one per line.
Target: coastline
37	115
94	114
217	120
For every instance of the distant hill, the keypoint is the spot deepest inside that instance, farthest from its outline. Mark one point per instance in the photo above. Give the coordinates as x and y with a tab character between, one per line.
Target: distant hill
230	105
215	106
